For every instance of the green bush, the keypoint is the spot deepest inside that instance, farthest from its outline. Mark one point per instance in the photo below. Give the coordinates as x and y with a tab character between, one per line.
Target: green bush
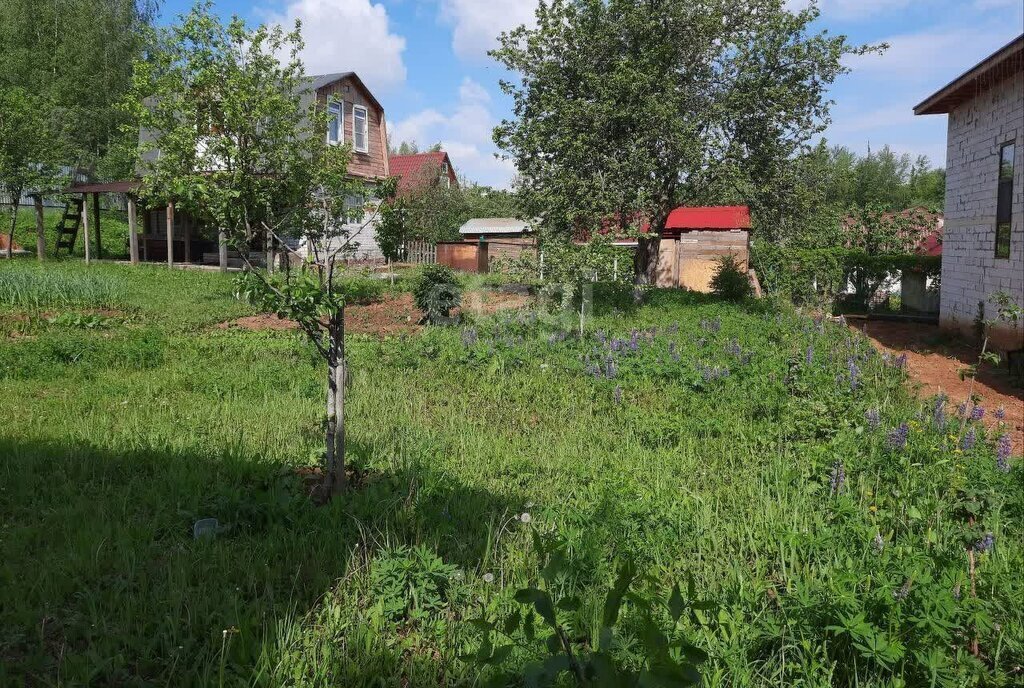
437	293
730	280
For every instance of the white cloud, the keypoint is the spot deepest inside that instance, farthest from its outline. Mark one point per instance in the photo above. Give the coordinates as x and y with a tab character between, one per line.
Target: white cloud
347	35
464	132
933	57
477	23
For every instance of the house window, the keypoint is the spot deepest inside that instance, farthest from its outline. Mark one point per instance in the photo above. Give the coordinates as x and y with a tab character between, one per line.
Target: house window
1004	201
445	179
360	129
335	123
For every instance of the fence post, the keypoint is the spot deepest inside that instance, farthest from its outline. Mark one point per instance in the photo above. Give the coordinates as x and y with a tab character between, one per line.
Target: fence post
615	269
542	266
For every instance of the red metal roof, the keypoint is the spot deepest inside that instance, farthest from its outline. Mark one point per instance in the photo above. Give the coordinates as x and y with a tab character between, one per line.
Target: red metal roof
409	168
711	217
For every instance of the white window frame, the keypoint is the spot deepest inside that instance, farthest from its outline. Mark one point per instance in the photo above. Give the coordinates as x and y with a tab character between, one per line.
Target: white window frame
365	130
338	108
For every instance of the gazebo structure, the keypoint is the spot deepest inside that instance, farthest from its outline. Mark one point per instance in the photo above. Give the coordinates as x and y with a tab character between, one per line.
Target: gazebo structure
159	239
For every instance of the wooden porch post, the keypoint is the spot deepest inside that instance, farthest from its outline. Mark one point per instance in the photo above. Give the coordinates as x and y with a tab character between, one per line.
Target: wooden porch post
187	224
37	201
85	229
96	213
222	250
170	234
133	232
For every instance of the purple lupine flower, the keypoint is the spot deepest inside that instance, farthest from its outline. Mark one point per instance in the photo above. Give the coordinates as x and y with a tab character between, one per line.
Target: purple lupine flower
610	368
1003	449
967	442
469	336
747	358
897	438
854	375
837	478
733	347
961	410
809	356
617	395
903	592
873	418
1000	413
986	543
878	543
977	413
900	361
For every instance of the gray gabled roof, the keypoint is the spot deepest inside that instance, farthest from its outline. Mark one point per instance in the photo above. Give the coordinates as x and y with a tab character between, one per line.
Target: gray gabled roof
496	225
318	81
1000	65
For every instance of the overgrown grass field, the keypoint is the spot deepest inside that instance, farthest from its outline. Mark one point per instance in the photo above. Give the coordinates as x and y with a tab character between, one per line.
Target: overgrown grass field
778	461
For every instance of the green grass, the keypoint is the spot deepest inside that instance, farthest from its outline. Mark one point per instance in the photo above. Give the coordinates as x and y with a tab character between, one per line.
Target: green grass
118	435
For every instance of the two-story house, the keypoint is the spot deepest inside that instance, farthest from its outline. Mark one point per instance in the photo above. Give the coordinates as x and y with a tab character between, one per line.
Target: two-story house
356	118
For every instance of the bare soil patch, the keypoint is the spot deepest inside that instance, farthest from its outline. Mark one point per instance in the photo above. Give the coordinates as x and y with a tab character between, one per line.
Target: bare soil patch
934	361
391	316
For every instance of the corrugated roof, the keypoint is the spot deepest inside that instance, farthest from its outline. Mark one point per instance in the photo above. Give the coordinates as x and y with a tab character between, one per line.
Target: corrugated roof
1001	64
105	187
709	217
409	168
496	225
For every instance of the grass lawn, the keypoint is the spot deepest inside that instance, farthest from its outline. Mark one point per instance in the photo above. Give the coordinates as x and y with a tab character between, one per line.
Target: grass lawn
734	444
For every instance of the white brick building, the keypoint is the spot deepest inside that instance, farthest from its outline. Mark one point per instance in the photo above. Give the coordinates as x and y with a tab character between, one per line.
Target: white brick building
983	245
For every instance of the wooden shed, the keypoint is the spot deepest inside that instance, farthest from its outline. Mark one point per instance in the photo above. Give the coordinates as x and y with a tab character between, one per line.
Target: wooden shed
506	237
695	238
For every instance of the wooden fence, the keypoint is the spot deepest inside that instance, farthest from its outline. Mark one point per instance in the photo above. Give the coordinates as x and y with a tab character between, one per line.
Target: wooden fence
420	252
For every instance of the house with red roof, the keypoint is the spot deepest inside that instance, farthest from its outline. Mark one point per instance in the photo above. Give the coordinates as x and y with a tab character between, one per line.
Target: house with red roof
422	170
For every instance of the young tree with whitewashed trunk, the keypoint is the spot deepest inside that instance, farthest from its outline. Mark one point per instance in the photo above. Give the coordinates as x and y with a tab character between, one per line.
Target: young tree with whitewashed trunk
240	150
625	109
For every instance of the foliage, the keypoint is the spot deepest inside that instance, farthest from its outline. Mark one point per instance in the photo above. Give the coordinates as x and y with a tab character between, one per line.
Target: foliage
31	289
26	151
820	275
730	280
825	510
669	659
881	178
437	293
77	56
597	136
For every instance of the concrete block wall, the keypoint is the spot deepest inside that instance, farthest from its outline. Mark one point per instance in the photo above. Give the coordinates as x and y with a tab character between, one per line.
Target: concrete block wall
970	271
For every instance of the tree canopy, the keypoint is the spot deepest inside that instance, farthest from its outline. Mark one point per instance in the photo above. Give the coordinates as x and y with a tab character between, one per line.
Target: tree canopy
624	109
77	55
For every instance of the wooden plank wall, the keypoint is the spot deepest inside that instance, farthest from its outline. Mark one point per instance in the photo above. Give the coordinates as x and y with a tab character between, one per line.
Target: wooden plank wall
374	162
690	260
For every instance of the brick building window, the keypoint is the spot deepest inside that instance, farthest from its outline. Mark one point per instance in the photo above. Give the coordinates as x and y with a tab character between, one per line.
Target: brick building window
1004	201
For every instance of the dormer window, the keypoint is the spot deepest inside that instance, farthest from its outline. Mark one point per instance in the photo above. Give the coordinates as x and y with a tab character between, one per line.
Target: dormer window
335	124
360	129
445	177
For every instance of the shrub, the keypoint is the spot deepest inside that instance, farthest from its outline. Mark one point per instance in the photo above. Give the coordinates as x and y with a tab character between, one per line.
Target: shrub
730	280
437	292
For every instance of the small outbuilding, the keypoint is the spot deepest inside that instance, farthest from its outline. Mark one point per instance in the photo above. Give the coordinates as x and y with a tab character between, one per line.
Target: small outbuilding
506	237
695	238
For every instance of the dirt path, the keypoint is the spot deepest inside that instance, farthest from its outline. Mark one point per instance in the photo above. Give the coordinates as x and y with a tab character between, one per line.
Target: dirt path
934	361
394	315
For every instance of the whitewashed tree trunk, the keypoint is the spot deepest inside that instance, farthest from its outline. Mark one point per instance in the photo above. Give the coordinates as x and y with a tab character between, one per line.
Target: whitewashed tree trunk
334	468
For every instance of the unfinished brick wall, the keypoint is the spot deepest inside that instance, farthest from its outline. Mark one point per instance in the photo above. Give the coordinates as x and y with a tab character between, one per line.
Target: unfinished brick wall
970	271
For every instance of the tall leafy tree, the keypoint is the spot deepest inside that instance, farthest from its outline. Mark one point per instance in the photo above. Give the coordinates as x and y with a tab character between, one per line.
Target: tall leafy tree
77	55
242	146
26	152
625	109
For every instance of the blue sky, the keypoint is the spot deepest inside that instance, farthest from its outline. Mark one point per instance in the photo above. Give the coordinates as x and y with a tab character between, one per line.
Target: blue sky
426	62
